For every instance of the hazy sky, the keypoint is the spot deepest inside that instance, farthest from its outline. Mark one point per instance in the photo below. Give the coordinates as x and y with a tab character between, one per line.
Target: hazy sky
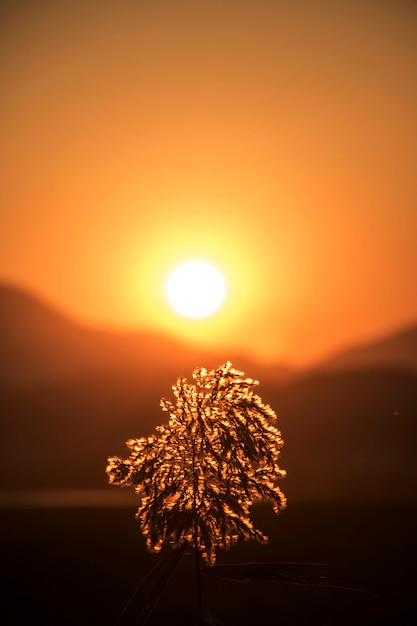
276	139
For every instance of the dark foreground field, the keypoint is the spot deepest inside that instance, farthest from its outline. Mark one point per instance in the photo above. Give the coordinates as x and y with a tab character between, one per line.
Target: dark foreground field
70	566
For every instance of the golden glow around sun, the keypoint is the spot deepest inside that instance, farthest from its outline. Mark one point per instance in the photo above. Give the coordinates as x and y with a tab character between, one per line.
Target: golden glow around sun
195	289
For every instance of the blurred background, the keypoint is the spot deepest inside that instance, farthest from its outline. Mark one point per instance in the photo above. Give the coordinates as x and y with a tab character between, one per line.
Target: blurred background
276	140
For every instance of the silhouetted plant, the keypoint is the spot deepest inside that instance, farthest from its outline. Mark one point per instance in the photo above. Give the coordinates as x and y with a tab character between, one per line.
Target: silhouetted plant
197	478
198	475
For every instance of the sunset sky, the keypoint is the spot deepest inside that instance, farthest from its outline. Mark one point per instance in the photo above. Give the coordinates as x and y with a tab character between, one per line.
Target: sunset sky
274	139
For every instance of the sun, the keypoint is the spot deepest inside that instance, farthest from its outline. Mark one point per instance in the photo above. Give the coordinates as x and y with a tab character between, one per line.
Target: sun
195	289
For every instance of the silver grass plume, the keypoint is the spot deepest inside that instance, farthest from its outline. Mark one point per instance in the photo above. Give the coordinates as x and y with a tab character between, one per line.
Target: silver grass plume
198	475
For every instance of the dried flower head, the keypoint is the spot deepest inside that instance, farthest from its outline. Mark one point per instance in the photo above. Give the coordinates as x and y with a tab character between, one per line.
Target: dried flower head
198	475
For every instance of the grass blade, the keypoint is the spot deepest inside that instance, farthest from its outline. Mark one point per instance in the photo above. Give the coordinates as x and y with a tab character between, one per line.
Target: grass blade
147	593
292	573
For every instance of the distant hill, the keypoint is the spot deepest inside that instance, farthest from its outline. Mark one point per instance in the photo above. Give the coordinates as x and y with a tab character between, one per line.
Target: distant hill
397	350
349	436
39	344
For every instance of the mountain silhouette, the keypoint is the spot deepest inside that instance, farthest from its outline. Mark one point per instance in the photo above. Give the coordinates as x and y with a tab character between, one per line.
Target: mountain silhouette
397	350
70	396
349	435
39	344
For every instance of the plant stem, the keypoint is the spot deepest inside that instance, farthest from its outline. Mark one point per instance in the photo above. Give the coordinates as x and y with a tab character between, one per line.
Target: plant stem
195	533
198	578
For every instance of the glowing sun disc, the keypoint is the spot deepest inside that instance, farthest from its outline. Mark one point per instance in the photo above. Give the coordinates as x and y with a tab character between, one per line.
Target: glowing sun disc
195	289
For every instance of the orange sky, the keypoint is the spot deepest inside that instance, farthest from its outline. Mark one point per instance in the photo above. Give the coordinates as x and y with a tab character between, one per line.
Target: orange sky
275	139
